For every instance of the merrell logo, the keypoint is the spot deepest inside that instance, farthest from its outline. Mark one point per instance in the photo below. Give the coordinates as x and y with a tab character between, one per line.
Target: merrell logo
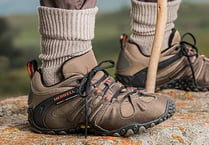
69	93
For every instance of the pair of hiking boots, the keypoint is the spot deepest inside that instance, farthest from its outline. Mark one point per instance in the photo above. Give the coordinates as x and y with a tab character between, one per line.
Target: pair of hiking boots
88	100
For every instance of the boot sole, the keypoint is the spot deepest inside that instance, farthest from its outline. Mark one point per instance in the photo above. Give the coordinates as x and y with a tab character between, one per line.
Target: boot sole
183	84
124	131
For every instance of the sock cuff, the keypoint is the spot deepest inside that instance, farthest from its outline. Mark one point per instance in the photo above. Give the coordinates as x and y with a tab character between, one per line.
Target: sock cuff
56	52
144	18
51	74
145	13
65	24
65	33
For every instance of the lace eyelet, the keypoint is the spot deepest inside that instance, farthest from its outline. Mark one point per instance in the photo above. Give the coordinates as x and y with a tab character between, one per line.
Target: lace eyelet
107	97
98	91
123	90
78	81
177	48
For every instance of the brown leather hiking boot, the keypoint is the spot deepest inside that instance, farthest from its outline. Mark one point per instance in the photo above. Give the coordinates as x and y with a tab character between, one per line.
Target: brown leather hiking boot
88	99
180	67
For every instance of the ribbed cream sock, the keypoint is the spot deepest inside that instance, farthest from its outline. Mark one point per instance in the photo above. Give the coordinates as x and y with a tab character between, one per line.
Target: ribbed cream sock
65	34
144	16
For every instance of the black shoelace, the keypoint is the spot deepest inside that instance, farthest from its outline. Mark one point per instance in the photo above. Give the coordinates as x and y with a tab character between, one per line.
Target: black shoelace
190	50
85	88
86	84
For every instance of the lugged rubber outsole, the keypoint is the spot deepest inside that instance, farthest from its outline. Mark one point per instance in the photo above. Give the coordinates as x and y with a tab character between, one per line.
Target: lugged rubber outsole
183	84
124	131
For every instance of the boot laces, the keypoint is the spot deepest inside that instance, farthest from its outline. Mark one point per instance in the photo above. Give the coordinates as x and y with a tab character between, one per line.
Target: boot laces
190	50
85	88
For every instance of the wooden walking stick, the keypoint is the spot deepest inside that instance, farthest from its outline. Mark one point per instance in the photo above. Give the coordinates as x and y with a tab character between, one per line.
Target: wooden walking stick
157	45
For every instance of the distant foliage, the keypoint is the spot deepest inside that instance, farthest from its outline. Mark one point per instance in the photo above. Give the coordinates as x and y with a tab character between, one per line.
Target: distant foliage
7	49
6	46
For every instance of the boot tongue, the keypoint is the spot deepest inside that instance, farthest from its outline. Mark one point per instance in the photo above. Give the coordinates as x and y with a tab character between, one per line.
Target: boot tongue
80	65
174	41
175	38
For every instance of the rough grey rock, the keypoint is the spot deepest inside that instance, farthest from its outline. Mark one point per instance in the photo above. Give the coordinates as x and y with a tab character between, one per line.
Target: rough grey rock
189	126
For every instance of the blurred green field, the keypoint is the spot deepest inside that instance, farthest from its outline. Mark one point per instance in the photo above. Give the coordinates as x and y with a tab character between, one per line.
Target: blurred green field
15	81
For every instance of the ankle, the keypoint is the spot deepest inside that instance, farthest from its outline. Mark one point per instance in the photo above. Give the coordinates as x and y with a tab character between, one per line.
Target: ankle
51	75
144	19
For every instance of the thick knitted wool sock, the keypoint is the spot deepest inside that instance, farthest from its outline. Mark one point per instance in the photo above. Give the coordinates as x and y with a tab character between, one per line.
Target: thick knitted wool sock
65	34
144	16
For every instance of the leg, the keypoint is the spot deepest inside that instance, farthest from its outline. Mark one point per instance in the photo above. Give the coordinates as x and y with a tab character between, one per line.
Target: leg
151	0
63	35
69	4
144	20
180	67
85	97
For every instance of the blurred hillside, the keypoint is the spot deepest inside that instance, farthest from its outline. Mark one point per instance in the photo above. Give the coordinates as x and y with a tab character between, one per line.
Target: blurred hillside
19	41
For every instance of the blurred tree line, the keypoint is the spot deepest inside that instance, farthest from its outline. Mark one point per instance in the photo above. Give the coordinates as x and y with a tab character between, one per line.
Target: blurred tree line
10	55
6	45
20	41
8	52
